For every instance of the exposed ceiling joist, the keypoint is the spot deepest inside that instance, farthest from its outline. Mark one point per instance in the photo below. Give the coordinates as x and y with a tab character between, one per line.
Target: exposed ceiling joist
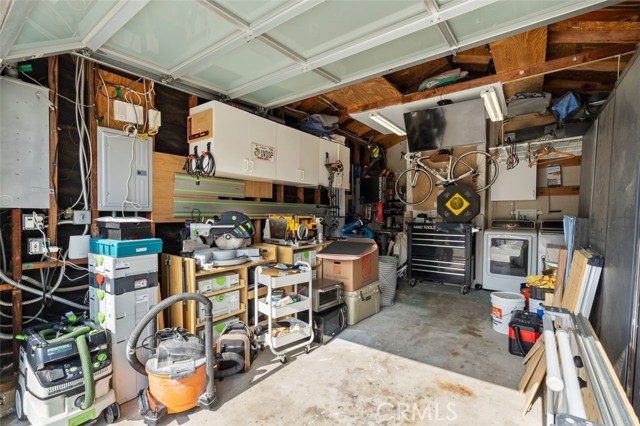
520	51
507	76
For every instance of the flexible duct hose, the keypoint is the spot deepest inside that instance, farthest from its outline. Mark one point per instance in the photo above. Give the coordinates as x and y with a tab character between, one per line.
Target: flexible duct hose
132	343
87	371
79	334
39	293
233	357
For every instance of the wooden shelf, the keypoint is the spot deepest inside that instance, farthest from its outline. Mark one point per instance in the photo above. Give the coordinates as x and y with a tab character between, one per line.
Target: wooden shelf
542	191
240	311
52	264
224	290
232	268
261	292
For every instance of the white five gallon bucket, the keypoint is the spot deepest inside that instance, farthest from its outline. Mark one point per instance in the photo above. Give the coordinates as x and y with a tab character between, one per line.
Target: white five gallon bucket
503	304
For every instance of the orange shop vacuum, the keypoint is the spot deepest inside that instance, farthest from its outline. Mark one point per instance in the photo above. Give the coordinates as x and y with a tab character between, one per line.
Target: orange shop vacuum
180	367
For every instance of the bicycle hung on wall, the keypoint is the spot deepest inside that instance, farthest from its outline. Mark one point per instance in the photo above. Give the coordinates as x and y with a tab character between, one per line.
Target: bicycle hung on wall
415	185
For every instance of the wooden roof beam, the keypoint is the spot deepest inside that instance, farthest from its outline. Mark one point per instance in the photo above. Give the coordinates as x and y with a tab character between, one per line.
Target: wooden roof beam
536	70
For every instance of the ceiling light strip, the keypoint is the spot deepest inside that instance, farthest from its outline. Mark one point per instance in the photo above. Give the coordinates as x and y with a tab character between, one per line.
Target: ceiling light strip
386	123
112	22
492	104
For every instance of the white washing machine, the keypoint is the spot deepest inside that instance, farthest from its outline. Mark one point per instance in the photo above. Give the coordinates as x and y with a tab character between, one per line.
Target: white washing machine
550	232
510	254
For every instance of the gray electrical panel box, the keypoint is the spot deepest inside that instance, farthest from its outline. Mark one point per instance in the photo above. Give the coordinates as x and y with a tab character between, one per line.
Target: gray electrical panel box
121	175
24	145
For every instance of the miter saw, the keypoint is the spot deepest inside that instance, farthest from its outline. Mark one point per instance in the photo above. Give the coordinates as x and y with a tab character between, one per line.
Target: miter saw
229	232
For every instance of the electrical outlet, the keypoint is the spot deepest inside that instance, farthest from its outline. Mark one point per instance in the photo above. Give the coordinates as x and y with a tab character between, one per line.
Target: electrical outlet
37	245
32	221
124	111
81	217
155	119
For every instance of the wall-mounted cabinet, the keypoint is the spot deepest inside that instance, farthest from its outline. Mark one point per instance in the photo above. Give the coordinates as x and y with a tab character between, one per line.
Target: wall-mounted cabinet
296	159
517	184
243	144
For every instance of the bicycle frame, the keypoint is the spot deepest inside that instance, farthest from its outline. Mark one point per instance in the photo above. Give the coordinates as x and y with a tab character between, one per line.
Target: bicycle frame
442	181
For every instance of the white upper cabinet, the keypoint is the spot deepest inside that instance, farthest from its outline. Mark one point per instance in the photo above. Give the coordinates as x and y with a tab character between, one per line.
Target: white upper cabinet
243	145
517	184
297	163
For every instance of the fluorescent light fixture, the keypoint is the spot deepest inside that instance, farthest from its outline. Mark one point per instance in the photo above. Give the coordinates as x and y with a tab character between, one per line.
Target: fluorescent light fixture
384	122
492	104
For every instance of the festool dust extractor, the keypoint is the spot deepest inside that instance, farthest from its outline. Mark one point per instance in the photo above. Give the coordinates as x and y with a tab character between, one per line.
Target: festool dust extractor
65	373
180	367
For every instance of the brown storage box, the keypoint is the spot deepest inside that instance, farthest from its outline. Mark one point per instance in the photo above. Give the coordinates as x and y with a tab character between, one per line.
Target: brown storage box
353	271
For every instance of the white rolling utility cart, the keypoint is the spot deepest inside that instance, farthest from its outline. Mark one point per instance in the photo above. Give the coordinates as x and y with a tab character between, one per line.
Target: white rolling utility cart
280	339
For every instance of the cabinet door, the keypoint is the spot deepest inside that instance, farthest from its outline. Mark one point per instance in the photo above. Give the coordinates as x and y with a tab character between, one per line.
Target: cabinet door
262	143
309	160
327	151
288	155
230	144
516	184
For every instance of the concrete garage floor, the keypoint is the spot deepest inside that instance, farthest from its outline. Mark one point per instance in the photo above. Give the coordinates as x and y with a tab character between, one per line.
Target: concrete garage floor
432	358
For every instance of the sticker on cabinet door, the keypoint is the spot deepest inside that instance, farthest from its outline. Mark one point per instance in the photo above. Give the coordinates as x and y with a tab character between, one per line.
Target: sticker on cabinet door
263	152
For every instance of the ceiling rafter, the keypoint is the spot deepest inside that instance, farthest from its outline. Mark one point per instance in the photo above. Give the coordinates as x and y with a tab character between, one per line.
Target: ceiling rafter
536	70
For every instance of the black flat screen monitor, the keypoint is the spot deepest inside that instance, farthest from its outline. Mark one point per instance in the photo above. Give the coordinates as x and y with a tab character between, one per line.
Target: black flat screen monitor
457	124
425	129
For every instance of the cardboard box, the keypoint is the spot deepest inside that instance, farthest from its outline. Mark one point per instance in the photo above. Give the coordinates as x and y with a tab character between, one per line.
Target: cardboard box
354	271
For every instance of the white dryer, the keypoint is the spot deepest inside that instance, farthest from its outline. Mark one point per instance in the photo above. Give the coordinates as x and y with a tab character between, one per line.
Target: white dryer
510	252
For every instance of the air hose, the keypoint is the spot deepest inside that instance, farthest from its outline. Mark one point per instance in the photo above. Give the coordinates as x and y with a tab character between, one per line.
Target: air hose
79	334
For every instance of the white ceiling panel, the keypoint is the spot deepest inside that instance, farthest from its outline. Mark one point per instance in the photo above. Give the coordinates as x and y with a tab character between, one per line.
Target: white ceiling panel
306	82
252	60
251	10
166	33
338	22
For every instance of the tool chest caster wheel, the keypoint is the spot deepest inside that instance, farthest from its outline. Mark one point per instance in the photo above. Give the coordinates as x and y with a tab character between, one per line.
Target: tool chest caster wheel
464	289
112	413
412	282
19	404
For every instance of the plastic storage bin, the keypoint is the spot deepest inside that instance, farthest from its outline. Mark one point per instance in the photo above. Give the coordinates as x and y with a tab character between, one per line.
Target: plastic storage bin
126	248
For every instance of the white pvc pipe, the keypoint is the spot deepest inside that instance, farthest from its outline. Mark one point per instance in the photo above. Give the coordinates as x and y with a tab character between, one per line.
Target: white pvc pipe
572	387
554	381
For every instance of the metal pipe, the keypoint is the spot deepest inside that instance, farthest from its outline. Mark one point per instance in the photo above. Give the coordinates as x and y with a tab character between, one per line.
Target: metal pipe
575	404
554	380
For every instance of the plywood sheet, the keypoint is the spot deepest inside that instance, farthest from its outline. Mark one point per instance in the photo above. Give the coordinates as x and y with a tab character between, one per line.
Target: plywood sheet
367	92
574	283
117	88
520	51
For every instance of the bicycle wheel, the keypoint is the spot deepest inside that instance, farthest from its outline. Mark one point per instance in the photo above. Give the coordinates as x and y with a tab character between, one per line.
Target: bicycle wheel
414	186
475	168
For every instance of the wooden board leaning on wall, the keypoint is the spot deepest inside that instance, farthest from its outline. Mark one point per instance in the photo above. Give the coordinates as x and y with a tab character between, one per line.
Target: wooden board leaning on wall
430	203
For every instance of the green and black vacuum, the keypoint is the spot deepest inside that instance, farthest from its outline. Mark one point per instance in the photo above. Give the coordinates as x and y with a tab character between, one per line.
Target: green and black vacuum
181	367
65	374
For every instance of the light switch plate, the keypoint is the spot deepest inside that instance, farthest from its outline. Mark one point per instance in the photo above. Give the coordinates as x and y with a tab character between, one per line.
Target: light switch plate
82	217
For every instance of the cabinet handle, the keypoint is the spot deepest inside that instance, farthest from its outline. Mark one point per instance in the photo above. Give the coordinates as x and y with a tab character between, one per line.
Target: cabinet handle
302	174
245	165
251	166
